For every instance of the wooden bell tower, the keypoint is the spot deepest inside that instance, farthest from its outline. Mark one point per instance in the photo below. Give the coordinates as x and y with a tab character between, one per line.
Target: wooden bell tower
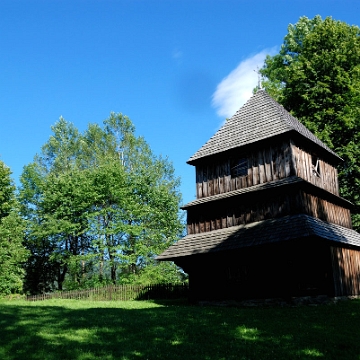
268	220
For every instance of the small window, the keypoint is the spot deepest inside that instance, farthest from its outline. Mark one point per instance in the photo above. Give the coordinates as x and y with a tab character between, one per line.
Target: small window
315	166
239	168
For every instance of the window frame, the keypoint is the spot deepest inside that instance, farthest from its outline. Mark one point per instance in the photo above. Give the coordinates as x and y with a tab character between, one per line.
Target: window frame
239	167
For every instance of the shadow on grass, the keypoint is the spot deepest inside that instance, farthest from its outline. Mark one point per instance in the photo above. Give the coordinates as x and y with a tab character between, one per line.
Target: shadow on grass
145	330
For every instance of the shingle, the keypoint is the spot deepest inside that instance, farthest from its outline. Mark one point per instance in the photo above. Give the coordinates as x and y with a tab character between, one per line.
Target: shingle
260	233
260	118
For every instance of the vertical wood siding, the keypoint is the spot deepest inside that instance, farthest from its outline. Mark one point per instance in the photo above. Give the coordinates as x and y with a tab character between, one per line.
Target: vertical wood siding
264	165
346	271
325	210
225	214
328	178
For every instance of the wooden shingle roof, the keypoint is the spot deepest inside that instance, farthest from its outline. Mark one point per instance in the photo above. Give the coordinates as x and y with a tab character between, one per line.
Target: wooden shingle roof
260	233
260	118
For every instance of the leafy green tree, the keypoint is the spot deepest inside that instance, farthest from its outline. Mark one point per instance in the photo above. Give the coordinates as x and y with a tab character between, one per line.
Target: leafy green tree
41	271
53	206
316	76
100	206
136	211
65	205
12	252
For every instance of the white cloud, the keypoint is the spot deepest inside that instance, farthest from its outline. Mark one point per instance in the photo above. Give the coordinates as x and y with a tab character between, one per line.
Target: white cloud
236	88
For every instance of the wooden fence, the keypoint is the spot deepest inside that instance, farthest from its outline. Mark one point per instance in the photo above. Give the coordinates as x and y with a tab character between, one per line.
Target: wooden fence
120	293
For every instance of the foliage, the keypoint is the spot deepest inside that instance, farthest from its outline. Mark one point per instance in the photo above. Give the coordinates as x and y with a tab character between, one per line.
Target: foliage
7	191
157	273
73	329
12	252
316	76
99	206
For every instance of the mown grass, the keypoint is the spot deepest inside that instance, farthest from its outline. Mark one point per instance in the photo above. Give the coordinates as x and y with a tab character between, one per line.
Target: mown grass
72	329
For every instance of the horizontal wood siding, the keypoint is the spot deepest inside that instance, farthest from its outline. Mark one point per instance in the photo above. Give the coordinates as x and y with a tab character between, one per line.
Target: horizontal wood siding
328	174
225	214
346	271
264	165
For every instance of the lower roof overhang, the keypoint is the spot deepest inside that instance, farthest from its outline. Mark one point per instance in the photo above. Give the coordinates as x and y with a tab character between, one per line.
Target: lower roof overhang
271	187
260	233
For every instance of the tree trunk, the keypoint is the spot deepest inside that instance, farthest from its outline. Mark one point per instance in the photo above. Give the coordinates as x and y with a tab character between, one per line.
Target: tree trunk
61	276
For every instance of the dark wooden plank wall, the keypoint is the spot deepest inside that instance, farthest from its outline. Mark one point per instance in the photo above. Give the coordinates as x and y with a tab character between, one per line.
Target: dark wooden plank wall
325	210
267	164
346	271
328	179
219	216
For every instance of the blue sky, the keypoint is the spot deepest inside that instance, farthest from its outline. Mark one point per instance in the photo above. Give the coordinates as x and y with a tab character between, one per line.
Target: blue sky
177	68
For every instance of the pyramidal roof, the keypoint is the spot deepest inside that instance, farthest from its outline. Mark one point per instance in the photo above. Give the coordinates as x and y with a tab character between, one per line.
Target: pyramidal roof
260	118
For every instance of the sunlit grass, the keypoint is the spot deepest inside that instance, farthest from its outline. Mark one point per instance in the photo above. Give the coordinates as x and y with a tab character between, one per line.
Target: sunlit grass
312	353
84	330
248	333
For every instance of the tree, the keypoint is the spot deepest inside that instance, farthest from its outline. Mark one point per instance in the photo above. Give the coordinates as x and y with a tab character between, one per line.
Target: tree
54	213
316	76
100	206
12	252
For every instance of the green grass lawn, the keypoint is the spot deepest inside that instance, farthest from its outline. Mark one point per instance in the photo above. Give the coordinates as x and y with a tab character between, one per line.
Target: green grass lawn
71	329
